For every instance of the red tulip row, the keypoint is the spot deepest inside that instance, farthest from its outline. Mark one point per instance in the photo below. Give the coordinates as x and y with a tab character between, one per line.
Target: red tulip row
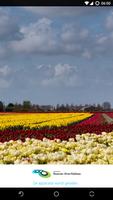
96	119
95	124
62	133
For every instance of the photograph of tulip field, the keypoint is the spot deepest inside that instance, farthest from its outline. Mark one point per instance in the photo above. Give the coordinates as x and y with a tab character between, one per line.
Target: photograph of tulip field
56	138
56	85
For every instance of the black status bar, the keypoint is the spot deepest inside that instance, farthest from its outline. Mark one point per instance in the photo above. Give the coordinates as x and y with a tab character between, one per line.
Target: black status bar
84	3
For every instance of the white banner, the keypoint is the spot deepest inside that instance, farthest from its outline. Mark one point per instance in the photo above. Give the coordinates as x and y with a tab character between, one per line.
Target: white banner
58	176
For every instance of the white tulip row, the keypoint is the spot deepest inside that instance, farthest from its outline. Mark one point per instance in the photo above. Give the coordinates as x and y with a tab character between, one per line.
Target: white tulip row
84	149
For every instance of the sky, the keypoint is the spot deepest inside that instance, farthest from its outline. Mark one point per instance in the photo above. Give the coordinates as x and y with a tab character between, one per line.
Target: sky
55	55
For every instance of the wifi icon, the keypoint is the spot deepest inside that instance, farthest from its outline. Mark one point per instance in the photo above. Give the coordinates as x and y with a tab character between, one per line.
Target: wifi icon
86	2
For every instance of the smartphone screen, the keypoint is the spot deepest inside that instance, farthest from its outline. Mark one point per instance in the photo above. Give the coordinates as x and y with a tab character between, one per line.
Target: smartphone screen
56	101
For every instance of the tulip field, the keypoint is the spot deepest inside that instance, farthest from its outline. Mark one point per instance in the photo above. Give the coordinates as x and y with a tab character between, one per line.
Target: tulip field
56	138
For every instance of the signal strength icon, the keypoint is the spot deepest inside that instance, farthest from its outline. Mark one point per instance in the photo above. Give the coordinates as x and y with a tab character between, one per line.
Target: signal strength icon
91	4
86	2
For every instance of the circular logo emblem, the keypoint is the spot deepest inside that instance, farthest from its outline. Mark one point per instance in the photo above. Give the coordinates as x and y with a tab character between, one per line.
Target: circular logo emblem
42	173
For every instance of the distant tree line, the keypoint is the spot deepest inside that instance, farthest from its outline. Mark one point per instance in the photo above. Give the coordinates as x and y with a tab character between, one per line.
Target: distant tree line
27	106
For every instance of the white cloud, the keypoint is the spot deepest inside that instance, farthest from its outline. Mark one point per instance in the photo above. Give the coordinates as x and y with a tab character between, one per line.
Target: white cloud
87	54
104	44
37	37
9	29
62	70
75	40
73	33
59	75
109	21
42	37
5	70
68	33
102	40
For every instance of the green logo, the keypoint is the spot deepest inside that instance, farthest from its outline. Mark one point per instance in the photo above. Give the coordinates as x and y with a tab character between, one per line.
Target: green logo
42	173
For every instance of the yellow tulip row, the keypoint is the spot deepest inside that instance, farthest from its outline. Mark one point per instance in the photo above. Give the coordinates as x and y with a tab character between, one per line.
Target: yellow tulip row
39	120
